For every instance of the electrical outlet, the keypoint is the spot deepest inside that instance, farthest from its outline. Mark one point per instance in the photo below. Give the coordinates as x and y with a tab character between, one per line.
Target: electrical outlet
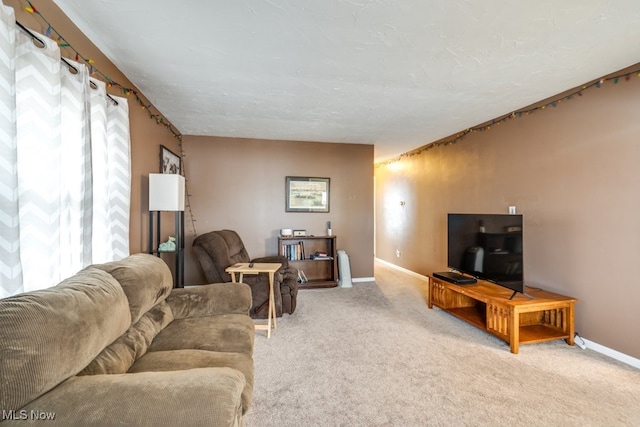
398	253
512	210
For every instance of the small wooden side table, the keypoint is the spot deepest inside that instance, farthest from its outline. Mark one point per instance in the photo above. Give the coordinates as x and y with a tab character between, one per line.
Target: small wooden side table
243	268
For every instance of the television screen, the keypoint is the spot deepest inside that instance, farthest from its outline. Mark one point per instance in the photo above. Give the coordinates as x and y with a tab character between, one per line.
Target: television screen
488	247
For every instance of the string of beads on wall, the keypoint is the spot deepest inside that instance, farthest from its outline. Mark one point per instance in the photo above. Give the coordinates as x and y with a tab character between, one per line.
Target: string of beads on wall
554	102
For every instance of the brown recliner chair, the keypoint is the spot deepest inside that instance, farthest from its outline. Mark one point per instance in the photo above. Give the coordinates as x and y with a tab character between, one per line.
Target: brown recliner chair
217	250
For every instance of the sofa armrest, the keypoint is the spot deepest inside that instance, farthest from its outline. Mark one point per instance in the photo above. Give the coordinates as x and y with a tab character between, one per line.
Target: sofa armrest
202	396
210	300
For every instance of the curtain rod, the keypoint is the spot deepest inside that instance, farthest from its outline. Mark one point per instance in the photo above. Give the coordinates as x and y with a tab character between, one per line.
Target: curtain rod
67	63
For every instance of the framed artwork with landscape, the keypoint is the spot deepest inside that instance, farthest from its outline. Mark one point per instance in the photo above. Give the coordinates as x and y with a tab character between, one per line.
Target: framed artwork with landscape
307	194
169	161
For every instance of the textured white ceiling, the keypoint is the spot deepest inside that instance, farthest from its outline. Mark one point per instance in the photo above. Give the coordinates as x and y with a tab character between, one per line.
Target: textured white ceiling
394	73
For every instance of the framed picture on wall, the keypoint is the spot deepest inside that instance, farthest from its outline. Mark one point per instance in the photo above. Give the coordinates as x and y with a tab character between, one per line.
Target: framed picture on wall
306	194
169	161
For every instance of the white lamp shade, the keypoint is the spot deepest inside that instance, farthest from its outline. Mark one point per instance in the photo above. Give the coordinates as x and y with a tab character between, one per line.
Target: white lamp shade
166	192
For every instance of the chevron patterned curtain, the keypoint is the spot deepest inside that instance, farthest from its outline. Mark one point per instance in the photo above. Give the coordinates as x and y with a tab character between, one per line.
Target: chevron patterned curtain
76	189
10	268
119	184
102	243
65	166
111	174
39	158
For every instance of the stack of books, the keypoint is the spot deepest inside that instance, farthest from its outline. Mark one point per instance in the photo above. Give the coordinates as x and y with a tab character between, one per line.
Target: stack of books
320	255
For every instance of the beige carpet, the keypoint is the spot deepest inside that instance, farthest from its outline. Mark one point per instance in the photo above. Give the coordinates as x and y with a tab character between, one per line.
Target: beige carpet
375	355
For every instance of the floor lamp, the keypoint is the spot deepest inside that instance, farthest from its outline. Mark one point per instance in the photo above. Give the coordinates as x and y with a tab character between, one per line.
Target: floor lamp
167	194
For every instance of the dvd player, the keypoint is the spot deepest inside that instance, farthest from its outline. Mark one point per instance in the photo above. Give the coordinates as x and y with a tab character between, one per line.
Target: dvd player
455	278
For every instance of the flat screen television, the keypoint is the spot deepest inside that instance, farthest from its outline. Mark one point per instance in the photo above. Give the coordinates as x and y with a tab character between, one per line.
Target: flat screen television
487	247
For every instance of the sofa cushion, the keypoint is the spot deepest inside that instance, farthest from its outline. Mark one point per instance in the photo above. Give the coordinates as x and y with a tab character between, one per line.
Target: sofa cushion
228	332
145	279
195	397
46	336
172	360
118	357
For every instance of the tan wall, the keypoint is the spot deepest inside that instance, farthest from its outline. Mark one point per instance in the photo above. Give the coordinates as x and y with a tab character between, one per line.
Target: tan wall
239	184
571	170
146	134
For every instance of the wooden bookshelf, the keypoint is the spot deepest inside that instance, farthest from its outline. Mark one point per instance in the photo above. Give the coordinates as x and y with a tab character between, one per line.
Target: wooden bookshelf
321	272
540	316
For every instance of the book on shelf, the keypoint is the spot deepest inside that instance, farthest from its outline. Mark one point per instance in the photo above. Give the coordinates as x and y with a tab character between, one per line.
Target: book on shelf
294	251
302	278
320	255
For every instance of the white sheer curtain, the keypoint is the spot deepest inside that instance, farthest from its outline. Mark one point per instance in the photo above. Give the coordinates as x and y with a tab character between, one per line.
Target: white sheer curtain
64	166
76	190
119	185
10	267
111	174
102	243
39	157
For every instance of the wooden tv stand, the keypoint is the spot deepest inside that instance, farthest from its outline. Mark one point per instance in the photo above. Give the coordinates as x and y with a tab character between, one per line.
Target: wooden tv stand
521	320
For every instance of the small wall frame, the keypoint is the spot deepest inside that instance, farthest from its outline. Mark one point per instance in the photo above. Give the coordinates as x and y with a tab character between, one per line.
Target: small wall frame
307	194
170	162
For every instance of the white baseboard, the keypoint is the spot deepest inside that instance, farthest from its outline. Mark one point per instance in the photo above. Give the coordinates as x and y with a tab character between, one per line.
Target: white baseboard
614	354
363	279
404	270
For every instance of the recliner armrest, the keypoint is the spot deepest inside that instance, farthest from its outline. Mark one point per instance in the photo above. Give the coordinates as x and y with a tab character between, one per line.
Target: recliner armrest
273	258
210	300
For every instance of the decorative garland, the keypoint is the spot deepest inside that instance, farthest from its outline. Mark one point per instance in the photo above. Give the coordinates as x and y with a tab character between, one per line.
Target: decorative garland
159	119
513	115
